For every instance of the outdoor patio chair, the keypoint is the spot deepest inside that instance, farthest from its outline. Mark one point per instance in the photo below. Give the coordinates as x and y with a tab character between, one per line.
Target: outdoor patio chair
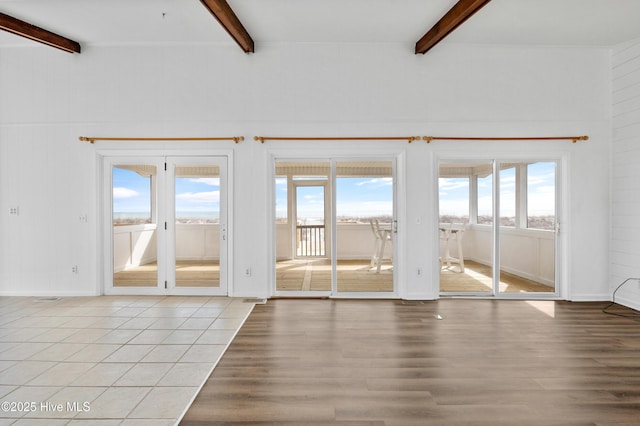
381	237
447	233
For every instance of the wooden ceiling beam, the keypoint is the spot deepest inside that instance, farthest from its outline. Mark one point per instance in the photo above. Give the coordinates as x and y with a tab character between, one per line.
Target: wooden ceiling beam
459	13
223	13
27	30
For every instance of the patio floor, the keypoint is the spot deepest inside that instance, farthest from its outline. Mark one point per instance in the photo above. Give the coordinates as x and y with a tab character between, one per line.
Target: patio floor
315	275
477	278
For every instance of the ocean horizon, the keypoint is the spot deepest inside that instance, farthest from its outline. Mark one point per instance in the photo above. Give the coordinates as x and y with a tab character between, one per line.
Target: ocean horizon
180	214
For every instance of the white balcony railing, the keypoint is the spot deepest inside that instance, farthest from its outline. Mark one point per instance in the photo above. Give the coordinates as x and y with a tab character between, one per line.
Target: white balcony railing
135	245
527	253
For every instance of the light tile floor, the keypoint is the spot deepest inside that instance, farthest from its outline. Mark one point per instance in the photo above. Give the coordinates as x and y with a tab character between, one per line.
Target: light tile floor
121	360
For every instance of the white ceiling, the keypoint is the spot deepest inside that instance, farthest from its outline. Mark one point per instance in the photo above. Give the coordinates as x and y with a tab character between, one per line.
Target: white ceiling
512	22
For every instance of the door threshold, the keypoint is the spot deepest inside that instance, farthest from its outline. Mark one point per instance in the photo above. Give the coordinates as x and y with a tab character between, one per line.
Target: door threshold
302	296
484	297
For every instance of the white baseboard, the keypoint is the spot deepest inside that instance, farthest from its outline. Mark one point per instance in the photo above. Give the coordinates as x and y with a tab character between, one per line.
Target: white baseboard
196	258
421	296
596	297
249	296
629	303
47	294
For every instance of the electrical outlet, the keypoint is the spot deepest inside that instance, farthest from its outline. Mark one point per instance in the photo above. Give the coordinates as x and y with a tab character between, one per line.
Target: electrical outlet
419	271
74	269
247	272
15	210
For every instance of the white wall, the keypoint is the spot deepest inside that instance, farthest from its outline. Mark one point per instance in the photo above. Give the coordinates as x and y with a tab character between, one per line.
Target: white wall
625	174
197	242
49	98
527	253
134	245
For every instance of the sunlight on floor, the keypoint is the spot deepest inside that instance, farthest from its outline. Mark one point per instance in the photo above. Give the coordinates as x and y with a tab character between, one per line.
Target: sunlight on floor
546	307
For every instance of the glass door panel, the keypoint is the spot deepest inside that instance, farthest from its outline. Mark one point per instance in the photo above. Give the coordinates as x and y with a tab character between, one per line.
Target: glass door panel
198	226
310	221
527	235
302	213
466	227
364	226
134	225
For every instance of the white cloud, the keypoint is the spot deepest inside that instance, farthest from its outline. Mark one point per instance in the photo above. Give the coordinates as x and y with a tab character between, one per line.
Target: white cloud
547	179
485	183
377	181
542	202
119	193
206	181
448	184
485	205
507	182
455	207
544	189
365	208
199	197
314	198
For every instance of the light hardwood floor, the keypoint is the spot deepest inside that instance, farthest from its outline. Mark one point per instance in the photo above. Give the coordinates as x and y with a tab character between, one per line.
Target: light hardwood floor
485	362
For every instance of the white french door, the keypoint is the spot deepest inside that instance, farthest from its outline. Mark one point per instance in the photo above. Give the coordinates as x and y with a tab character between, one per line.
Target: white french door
166	225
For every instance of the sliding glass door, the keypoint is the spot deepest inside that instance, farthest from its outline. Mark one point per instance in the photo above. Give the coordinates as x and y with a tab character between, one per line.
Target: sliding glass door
498	224
167	231
335	228
528	193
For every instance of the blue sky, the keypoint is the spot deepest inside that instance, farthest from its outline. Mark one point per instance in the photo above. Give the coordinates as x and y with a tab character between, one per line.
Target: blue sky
131	193
364	197
454	192
356	197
